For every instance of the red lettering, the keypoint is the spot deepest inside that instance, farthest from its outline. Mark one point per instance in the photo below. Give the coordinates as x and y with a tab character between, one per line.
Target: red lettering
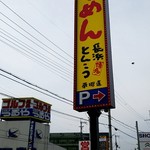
28	103
21	103
88	9
6	103
41	106
91	34
14	104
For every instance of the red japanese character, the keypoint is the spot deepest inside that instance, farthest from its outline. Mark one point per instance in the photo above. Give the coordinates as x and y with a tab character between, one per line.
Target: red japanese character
28	103
88	9
6	103
21	103
91	34
98	68
14	104
85	145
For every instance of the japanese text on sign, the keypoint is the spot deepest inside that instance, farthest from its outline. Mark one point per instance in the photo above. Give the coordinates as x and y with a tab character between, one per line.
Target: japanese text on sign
26	108
92	73
93	65
26	103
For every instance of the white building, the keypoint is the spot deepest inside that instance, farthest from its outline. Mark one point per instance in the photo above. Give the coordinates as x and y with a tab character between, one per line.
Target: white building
14	135
25	125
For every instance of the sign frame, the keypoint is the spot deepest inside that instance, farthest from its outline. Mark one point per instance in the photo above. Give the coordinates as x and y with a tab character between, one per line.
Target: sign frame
84	98
25	108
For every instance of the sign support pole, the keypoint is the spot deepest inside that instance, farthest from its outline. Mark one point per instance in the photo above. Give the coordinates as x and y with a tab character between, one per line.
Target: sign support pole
94	128
110	129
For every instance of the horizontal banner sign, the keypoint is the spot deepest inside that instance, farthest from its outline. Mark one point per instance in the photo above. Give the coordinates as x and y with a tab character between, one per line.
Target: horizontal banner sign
21	108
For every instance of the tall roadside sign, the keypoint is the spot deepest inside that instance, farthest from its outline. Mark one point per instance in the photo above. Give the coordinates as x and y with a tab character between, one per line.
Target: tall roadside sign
93	79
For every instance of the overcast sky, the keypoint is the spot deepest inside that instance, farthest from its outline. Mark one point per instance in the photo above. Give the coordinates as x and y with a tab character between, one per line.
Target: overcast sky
45	58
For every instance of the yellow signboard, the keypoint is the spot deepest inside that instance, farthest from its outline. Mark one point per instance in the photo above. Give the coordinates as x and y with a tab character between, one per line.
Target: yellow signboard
91	39
92	55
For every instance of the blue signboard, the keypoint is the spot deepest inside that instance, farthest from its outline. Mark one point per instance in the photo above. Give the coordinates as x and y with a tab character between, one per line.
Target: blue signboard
25	108
25	113
92	98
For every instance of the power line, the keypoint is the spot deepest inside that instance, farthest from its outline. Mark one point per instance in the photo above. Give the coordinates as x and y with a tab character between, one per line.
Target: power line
69	115
37	90
4	32
63	59
35	29
127	106
47	18
34	60
6	95
38	56
34	85
126	133
122	123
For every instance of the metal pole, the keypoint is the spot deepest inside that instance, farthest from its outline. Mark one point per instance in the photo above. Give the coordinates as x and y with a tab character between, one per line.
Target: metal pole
81	127
116	142
94	128
110	130
137	130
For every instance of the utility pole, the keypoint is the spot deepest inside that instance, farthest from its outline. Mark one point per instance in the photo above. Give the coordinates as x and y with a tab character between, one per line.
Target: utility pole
81	129
110	130
149	117
137	130
116	144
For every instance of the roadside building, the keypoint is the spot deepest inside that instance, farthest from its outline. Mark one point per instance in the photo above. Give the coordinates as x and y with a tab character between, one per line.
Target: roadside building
71	141
25	125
